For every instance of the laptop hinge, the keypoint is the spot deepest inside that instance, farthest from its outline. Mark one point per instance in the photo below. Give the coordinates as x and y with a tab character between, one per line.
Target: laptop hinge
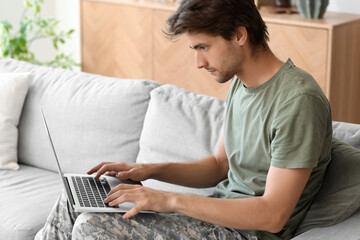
68	192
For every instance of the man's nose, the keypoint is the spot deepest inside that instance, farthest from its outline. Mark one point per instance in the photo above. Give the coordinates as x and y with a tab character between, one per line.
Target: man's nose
200	61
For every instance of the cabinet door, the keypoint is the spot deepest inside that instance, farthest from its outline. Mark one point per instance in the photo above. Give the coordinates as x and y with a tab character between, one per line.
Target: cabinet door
116	40
307	47
174	63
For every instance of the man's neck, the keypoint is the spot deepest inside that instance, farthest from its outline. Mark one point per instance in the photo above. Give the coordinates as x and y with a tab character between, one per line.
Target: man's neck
258	69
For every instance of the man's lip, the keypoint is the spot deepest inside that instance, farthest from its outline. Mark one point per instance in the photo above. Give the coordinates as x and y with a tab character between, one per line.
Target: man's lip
212	71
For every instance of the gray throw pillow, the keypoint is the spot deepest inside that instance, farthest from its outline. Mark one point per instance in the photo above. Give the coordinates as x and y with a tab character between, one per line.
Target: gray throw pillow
179	126
339	197
347	132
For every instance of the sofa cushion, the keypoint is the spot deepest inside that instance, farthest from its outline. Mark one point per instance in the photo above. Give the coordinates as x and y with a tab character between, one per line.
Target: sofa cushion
13	89
26	199
179	126
339	196
91	118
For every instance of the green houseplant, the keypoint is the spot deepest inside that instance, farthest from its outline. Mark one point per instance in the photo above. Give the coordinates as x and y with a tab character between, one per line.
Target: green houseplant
33	26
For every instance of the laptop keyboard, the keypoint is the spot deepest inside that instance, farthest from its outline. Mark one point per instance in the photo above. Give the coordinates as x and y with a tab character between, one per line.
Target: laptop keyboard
91	192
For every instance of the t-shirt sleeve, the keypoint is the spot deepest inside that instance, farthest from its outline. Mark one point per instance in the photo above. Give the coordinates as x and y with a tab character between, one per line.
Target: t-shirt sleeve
299	131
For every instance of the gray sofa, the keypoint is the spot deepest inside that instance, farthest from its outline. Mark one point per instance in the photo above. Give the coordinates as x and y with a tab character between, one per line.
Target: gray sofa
94	118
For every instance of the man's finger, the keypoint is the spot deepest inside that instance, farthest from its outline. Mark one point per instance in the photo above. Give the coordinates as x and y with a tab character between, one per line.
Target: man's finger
104	169
115	195
123	175
97	167
132	212
111	173
123	187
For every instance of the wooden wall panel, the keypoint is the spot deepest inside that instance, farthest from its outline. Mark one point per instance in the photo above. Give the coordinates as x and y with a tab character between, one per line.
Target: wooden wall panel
174	63
305	46
117	40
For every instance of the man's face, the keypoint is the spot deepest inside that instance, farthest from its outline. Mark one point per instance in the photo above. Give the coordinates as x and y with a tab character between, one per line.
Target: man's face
219	57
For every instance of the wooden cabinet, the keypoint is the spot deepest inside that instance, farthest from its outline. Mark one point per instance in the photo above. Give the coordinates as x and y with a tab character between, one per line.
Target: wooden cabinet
124	38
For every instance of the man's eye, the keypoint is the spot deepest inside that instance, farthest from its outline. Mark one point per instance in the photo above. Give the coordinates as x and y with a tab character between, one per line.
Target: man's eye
203	48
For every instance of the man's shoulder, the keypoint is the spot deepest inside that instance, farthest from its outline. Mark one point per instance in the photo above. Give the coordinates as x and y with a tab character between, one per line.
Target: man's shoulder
295	83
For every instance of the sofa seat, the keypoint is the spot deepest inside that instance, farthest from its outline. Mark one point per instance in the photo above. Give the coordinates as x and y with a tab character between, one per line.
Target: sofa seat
348	229
31	192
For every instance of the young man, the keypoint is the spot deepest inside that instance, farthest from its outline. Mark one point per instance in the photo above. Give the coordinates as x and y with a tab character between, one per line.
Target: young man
268	166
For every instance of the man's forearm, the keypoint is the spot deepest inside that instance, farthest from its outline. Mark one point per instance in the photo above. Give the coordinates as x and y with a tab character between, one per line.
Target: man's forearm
206	172
254	213
268	212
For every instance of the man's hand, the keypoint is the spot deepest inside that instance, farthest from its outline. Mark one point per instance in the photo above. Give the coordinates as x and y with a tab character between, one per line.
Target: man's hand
145	199
124	171
205	172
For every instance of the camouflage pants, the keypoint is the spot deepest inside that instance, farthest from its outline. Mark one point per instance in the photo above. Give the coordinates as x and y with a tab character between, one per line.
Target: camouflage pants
64	224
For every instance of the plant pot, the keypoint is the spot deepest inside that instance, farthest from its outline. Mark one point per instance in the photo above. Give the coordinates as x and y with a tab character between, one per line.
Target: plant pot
282	3
312	8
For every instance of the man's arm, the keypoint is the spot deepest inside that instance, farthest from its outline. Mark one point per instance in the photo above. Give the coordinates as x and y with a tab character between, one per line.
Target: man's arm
269	212
206	172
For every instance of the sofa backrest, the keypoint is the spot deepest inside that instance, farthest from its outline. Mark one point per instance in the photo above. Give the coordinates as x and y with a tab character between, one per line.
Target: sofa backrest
91	118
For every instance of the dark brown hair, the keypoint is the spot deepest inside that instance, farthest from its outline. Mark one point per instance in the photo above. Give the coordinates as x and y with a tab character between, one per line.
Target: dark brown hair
219	18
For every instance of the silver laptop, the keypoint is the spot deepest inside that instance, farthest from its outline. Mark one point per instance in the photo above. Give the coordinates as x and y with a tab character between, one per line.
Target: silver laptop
86	194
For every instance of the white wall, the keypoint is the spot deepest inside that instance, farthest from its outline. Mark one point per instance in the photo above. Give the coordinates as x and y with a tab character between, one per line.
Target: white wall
347	6
68	12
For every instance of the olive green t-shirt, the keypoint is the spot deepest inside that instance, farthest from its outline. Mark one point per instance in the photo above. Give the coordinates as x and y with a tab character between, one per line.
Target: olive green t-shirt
286	123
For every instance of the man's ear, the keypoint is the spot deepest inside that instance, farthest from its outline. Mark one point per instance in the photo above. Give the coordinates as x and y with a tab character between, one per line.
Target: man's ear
241	36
